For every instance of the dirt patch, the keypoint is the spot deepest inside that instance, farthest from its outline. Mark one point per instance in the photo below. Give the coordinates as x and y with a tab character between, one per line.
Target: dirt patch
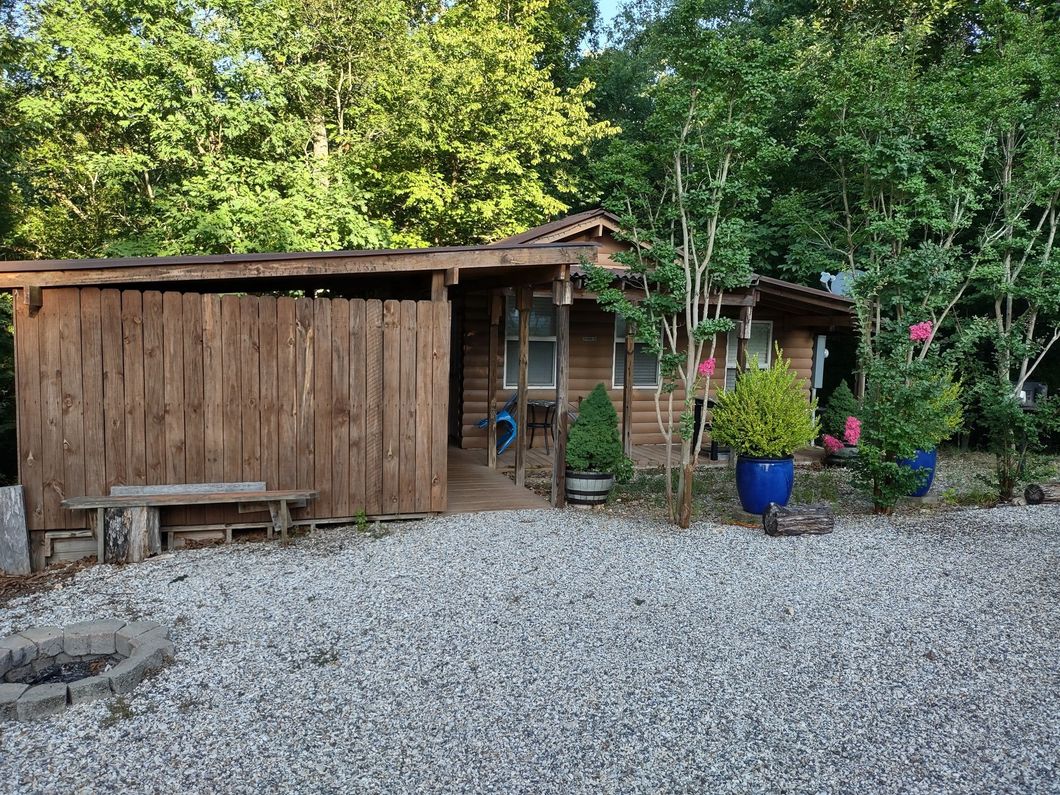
15	585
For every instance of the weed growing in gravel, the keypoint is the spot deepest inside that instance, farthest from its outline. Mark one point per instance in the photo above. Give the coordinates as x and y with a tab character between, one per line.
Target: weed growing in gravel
118	710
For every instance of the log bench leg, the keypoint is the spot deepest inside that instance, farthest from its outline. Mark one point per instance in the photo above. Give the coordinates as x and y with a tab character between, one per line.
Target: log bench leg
281	519
131	534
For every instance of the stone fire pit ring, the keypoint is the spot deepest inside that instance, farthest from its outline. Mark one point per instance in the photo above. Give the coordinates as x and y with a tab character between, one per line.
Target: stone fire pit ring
45	669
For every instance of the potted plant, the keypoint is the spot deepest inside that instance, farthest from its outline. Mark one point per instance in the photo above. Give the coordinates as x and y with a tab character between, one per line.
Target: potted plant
594	451
840	426
764	419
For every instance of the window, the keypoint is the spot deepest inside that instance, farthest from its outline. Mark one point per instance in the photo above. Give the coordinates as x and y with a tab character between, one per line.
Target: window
760	344
645	363
541	370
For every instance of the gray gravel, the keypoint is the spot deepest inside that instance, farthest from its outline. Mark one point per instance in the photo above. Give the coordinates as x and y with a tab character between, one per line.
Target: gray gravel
565	652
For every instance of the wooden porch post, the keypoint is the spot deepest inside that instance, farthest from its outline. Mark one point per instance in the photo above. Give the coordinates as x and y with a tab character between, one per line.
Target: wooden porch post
744	331
525	302
627	395
563	298
438	286
496	313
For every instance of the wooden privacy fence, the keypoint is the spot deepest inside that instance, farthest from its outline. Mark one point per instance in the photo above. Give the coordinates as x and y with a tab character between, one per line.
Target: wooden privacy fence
347	397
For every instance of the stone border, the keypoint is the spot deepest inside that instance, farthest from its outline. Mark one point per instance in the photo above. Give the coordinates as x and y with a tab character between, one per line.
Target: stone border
144	646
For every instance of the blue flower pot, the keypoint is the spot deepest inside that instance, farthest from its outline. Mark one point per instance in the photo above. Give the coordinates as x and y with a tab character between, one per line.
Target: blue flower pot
923	461
760	481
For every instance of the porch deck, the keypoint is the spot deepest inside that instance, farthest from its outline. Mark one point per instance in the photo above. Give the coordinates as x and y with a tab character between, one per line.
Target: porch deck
474	487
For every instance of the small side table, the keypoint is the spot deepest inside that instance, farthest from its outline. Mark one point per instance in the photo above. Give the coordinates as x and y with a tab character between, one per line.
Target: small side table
541	414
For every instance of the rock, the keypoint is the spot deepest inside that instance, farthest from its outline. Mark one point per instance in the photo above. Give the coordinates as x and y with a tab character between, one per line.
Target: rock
161	633
126	675
22	650
94	687
21	673
9	695
91	637
5	661
49	640
155	653
41	701
128	632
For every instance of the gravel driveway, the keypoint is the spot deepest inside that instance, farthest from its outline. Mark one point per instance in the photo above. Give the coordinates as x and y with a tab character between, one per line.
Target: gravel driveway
565	652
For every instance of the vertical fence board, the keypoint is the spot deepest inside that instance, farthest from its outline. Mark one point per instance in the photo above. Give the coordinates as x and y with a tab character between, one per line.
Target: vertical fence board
304	378
28	383
340	407
424	396
72	386
173	396
132	327
391	406
92	382
113	389
51	406
154	389
212	398
194	426
322	402
439	426
373	455
358	378
287	397
270	419
231	401
249	387
408	428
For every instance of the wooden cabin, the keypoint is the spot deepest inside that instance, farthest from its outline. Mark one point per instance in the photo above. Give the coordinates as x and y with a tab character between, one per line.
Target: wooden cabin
359	375
799	319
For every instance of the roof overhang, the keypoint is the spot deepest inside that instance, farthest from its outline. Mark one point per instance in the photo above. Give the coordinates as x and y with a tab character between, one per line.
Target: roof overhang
471	261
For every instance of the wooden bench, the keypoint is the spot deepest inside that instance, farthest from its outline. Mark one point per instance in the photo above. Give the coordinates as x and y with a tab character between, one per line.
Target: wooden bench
128	527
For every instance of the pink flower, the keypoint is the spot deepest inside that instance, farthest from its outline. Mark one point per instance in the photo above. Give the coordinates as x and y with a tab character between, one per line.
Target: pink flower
921	332
852	431
706	367
831	444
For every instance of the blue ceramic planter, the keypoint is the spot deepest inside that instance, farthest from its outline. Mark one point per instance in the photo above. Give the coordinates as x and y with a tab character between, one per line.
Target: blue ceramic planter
760	481
923	461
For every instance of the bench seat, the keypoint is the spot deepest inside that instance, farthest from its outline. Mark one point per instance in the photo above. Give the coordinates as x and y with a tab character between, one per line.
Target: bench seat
127	525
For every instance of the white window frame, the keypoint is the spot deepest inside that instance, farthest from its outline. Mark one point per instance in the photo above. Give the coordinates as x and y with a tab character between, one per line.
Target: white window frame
733	364
614	364
508	301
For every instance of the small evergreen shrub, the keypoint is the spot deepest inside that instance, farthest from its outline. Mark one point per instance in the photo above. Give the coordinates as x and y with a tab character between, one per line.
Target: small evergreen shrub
594	443
841	404
767	414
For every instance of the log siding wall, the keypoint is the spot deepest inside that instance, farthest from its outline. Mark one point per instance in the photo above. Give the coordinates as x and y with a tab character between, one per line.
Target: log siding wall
142	388
591	357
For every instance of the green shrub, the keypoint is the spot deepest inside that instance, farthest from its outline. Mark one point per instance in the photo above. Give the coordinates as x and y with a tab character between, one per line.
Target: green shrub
908	406
767	414
594	444
841	404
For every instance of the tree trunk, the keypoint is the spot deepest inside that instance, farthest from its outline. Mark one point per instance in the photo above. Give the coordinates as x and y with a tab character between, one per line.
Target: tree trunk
684	508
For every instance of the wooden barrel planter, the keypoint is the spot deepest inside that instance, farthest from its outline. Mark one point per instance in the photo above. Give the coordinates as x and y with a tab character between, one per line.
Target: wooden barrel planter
588	488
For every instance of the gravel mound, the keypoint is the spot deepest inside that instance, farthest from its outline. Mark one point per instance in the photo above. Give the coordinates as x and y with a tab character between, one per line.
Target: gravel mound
562	652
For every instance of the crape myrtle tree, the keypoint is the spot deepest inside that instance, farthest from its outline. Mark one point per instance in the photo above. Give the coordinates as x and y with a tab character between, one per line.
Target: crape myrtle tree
1017	250
687	192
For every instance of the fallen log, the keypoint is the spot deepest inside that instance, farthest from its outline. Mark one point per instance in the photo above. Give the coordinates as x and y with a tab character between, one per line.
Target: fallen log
797	519
1037	493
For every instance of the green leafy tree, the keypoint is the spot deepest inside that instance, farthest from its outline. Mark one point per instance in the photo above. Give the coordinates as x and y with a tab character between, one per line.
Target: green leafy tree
841	405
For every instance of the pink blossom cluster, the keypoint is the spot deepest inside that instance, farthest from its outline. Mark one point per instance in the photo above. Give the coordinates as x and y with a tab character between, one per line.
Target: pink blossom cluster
706	367
852	430
920	332
831	444
851	434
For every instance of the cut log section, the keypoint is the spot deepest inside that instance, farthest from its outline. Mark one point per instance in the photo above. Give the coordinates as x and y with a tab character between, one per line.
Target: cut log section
797	519
1036	494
